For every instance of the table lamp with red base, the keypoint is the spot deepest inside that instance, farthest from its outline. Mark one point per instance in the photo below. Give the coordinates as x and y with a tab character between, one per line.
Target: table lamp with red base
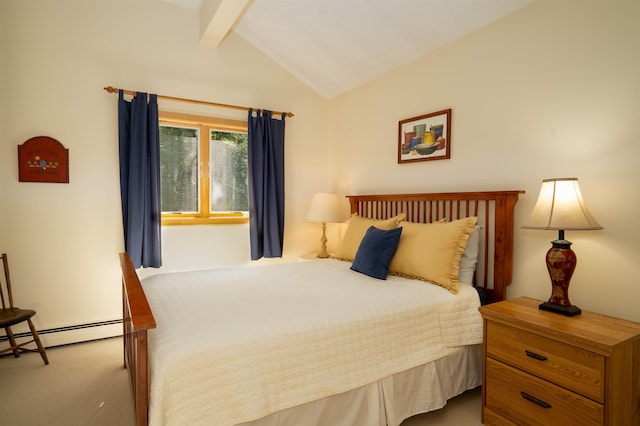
560	207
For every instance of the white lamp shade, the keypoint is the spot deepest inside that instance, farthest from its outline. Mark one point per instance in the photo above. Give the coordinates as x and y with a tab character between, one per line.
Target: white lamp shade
560	206
325	207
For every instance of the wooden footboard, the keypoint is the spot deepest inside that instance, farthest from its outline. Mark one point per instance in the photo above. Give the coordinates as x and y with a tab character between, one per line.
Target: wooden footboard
137	320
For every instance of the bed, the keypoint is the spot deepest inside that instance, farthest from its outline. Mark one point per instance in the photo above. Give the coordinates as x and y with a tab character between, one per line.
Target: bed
342	347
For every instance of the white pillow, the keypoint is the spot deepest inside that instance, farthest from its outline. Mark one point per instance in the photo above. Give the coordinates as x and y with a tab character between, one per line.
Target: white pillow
469	259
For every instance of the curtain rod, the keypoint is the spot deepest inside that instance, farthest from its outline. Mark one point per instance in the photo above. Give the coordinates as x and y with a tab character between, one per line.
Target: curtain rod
112	89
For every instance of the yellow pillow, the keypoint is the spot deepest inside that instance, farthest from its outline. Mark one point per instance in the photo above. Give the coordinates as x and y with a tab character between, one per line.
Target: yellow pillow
357	228
431	252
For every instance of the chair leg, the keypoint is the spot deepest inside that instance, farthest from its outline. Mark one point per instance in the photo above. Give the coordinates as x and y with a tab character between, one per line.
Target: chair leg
43	354
12	342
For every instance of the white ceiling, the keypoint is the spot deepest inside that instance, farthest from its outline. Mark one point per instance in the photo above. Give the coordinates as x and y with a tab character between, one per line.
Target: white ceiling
336	45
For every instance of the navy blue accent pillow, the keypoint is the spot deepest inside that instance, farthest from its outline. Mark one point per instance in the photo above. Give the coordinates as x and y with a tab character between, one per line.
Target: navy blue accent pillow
376	251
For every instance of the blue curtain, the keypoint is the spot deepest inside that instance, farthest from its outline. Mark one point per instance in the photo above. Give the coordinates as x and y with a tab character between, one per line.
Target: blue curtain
266	184
139	144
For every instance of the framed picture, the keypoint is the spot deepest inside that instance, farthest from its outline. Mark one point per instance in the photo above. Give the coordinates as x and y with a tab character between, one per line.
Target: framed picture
425	138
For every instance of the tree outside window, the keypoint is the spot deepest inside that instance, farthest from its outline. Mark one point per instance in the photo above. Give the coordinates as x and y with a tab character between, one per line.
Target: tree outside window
203	170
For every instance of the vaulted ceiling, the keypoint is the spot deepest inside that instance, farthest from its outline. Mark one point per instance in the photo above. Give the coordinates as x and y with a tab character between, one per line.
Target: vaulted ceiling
336	45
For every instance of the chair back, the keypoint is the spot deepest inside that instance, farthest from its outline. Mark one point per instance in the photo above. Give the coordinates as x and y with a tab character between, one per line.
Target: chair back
5	285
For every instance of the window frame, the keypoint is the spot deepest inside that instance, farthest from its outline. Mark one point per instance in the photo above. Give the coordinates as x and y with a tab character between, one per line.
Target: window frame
206	125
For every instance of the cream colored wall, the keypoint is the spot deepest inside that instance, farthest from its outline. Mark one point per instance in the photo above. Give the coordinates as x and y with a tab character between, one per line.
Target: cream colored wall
551	91
63	240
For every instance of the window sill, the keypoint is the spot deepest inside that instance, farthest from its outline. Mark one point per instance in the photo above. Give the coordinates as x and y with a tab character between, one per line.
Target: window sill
224	220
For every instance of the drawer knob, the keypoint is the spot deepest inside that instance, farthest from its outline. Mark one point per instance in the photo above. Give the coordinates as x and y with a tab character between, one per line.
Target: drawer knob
535	400
535	356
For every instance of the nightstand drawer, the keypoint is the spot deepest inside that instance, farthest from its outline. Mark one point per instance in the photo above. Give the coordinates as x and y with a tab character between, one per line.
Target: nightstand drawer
568	366
527	400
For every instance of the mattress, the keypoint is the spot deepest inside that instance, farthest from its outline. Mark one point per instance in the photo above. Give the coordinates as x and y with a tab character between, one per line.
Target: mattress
234	345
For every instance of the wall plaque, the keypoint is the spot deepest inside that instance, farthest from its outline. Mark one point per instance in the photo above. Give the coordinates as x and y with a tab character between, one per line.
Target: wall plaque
43	159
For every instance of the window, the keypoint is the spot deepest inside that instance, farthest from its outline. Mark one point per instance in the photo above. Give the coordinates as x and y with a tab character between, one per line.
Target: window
203	170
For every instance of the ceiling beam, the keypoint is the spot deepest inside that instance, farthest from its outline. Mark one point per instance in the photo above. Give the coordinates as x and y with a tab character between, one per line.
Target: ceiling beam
218	17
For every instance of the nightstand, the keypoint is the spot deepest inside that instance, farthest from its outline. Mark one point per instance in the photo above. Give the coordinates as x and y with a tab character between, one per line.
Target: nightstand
541	368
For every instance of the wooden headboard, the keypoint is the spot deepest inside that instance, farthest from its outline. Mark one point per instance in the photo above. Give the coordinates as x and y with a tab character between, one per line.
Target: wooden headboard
495	212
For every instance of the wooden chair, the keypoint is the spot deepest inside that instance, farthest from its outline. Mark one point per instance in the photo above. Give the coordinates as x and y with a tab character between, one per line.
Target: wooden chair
10	315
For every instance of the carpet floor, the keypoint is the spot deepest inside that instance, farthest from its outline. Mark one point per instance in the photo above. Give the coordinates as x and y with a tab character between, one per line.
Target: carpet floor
86	385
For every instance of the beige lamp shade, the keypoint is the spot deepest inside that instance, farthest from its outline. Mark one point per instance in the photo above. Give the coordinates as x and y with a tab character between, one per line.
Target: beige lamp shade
560	206
325	207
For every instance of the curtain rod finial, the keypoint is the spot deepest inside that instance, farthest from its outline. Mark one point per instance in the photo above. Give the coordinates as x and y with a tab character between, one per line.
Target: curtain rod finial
110	89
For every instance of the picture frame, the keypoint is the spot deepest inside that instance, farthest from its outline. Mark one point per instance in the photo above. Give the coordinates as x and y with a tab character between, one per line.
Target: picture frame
425	138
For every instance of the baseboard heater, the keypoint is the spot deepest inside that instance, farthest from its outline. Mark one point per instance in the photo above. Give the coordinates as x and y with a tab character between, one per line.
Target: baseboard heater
74	333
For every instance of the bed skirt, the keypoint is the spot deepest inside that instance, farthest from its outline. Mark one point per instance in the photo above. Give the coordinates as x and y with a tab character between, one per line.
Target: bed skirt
391	400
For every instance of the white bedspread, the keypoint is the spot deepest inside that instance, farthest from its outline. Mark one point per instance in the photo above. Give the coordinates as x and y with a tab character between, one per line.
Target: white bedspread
233	345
